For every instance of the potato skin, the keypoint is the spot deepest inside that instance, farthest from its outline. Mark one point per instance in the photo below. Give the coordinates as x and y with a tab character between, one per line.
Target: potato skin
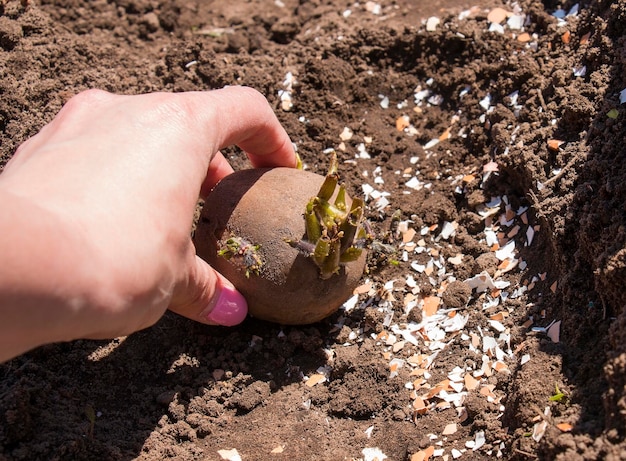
265	207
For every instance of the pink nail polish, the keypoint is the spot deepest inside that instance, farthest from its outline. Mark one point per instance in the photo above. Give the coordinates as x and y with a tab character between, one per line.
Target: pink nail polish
231	308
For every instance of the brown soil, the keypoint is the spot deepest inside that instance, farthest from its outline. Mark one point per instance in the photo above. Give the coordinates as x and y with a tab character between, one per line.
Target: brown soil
374	374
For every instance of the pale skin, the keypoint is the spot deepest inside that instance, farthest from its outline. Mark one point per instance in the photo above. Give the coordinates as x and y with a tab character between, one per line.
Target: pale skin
97	211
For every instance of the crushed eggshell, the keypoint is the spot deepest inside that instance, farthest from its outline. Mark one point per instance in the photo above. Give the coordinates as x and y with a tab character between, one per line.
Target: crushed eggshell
432	23
506	252
403	122
432	143
398	346
373	454
423	455
229	455
539	429
555	144
500	366
516	21
346	134
496	325
565	427
364	288
490	167
408	235
471	383
315	379
483	282
445	135
554	332
449	429
414	345
497	15
456	260
373	7
487	390
448	229
286	93
419	405
431	305
478	442
394	365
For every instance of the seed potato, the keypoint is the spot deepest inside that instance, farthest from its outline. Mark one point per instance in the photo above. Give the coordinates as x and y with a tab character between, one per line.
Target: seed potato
257	212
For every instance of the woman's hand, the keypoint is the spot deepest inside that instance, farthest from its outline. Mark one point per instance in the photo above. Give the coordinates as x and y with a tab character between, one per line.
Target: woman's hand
97	212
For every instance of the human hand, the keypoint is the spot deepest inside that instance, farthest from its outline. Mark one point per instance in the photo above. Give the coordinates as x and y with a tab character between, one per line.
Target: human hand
98	209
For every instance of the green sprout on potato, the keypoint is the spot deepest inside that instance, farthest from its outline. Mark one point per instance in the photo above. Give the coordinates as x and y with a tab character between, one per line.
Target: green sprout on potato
335	234
245	251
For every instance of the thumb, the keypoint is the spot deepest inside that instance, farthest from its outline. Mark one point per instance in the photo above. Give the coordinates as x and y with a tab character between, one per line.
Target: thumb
208	297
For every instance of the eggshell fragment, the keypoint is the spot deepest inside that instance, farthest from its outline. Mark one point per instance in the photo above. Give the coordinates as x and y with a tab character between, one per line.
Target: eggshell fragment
431	304
449	429
564	427
497	15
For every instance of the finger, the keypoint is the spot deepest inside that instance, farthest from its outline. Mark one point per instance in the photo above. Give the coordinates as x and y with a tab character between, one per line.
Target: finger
207	297
219	168
242	117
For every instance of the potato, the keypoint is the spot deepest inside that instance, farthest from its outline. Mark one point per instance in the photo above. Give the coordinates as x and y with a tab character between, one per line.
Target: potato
249	229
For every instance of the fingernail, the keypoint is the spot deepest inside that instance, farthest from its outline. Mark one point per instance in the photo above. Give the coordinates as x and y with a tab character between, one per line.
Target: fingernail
230	309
